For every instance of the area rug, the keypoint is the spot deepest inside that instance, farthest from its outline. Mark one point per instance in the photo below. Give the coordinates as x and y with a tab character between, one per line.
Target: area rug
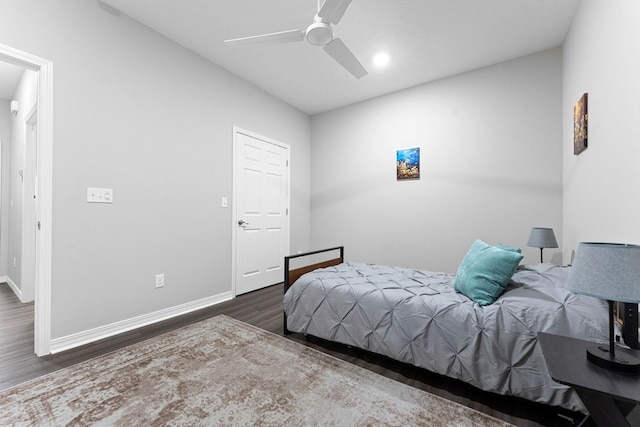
221	372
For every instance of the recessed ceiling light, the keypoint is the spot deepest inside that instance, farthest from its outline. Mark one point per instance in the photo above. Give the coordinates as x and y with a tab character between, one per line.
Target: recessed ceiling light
381	59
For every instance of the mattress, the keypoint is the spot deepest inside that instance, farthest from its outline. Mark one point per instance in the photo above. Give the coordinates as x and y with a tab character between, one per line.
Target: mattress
417	317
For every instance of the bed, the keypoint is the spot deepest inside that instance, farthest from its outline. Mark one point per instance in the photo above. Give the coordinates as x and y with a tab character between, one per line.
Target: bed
419	318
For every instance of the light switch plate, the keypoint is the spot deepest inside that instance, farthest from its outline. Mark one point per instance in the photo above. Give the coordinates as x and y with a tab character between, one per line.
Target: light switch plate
99	195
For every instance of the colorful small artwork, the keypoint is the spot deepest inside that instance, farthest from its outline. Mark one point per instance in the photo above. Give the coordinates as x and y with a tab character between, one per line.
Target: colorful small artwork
580	122
408	164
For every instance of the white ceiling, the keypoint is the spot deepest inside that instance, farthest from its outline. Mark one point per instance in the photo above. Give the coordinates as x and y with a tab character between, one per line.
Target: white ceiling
426	39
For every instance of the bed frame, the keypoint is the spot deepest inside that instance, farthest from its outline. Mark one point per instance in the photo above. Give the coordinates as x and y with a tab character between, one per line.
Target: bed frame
290	276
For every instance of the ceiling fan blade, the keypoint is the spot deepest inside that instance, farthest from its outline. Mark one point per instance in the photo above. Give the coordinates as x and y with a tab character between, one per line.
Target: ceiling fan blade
279	37
333	10
338	51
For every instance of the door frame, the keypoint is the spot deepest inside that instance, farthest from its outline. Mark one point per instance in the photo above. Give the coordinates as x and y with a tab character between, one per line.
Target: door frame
44	135
234	217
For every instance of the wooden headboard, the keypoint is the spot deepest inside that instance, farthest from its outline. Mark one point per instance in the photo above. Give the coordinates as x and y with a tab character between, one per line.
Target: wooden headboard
290	276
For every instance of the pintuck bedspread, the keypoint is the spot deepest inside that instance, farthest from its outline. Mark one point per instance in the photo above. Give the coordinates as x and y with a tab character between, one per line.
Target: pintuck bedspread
417	317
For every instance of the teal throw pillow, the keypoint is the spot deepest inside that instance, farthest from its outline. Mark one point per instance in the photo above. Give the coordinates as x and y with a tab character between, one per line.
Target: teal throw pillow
508	248
485	271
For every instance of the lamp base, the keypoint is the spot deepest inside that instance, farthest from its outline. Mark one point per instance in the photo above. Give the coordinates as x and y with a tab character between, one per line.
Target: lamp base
599	355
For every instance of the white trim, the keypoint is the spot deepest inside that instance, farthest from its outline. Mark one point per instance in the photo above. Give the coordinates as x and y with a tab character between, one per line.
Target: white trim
234	216
4	279
92	335
42	321
16	290
45	209
234	209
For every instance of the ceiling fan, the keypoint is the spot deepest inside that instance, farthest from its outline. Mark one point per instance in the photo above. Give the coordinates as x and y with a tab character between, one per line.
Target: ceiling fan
319	33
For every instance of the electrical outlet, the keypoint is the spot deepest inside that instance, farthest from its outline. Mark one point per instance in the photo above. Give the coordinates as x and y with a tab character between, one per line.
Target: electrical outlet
159	280
14	262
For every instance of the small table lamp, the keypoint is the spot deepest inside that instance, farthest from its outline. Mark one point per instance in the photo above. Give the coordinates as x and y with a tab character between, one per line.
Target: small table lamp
541	237
609	271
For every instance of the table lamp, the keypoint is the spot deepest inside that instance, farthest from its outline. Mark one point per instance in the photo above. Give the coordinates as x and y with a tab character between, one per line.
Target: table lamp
610	271
541	237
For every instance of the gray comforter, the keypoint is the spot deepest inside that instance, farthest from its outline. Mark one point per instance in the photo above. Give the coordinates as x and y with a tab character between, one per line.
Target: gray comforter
417	317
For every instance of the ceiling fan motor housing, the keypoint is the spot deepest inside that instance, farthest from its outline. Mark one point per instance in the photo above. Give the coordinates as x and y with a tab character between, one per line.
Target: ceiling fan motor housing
319	33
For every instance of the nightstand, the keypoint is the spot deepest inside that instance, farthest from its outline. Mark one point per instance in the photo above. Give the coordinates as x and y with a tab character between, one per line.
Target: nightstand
611	398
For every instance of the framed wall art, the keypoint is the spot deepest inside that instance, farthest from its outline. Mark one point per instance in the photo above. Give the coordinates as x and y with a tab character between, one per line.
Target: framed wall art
580	125
408	164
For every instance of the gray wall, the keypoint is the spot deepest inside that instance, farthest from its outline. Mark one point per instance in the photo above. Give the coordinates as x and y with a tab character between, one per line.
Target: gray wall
602	184
5	138
139	114
491	167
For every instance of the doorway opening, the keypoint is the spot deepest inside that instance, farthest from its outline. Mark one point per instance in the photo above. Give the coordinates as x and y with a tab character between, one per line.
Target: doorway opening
37	252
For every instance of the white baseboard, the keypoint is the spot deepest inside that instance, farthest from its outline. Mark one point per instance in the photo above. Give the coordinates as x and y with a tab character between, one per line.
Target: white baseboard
92	335
16	290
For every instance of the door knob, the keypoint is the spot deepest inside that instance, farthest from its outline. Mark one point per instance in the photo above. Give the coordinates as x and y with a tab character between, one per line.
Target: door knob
241	222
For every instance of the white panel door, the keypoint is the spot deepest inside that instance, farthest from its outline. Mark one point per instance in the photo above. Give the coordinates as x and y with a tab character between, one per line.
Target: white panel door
261	207
30	209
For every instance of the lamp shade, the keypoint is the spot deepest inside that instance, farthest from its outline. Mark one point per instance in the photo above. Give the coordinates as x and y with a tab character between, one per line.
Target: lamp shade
609	271
541	237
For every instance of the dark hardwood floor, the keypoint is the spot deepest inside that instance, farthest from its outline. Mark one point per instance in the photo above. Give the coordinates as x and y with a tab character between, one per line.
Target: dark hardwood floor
263	309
